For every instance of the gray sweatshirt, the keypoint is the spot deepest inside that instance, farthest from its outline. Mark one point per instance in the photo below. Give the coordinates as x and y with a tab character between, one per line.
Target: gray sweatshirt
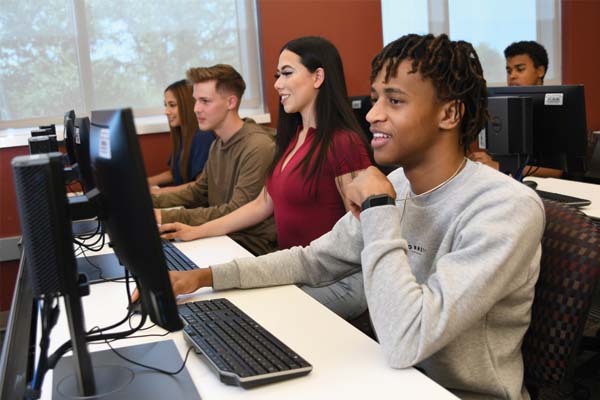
449	279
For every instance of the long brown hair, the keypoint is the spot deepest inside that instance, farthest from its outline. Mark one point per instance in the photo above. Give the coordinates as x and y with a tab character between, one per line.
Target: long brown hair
184	133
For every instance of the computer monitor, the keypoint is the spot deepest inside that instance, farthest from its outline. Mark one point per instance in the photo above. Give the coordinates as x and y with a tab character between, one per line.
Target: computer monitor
127	212
42	144
98	267
123	194
559	125
361	106
69	136
82	153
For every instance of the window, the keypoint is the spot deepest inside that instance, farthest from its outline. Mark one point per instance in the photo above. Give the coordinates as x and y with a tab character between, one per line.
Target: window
58	55
489	25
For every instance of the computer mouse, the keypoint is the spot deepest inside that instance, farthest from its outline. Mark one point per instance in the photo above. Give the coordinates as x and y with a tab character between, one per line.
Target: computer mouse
531	184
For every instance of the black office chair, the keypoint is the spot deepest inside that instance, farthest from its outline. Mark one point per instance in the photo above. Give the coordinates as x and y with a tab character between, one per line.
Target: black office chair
570	269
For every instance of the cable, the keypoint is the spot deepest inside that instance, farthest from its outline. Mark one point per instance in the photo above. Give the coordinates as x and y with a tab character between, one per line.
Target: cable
129	312
83	252
48	311
138	336
162	371
53	360
91	235
56	356
141	329
99	242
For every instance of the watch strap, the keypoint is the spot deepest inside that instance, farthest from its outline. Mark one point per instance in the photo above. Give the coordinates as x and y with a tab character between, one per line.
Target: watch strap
377	200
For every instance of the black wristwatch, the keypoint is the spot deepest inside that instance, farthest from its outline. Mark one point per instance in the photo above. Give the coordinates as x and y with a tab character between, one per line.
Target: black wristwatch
377	200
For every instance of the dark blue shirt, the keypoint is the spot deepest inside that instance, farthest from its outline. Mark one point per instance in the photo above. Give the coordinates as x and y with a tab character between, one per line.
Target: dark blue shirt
198	155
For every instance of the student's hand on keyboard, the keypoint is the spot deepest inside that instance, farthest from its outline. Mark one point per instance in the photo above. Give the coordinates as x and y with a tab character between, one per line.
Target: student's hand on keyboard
184	282
177	230
157	215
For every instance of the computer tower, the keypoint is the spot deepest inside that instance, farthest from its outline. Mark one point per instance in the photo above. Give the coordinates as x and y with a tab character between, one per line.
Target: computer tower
45	223
510	127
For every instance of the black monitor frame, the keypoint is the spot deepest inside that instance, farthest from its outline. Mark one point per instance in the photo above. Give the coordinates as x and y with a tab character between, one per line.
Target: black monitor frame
69	136
361	106
82	153
18	349
127	211
559	125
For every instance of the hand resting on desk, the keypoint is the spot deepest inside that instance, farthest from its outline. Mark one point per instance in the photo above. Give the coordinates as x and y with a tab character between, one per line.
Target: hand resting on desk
184	282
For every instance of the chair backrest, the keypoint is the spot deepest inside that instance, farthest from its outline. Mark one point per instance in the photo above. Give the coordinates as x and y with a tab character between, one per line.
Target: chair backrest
570	268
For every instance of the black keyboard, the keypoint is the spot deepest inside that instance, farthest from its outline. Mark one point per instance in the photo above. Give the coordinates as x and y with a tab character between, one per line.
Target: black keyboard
241	351
176	260
563	198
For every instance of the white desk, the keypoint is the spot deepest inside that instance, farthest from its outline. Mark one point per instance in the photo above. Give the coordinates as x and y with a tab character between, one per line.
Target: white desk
346	363
583	190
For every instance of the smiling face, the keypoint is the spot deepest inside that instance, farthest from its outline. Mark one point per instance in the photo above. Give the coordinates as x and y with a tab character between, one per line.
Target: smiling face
404	118
296	86
172	109
521	71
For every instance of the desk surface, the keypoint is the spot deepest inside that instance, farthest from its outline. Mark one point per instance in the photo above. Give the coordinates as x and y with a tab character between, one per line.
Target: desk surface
346	363
582	190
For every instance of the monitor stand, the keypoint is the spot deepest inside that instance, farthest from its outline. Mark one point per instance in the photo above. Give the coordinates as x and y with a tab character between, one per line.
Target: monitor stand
119	379
100	267
85	227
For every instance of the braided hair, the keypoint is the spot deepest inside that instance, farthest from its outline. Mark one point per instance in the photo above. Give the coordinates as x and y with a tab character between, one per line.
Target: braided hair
453	68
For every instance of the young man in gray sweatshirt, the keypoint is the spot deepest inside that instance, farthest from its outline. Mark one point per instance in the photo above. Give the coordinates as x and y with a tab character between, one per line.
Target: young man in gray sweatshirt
449	248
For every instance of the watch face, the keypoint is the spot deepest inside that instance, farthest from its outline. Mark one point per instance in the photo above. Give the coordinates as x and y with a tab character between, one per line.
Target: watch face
377	200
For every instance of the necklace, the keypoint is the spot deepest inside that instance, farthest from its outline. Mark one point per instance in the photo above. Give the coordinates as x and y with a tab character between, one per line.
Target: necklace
408	197
462	163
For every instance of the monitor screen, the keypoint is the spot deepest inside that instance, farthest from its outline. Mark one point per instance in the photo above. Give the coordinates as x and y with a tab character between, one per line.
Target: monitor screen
69	134
361	106
82	153
127	211
559	125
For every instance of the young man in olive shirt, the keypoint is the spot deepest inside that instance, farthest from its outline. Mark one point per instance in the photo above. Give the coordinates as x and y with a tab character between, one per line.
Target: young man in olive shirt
237	163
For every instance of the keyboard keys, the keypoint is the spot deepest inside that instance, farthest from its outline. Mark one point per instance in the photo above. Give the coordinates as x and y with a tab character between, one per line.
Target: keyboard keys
242	351
175	259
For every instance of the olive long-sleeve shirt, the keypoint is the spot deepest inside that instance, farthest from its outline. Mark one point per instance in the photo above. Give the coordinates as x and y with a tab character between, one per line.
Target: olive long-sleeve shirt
234	174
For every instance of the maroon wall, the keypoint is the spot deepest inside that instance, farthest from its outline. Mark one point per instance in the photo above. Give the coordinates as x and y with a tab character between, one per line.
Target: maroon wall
354	26
581	52
155	149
